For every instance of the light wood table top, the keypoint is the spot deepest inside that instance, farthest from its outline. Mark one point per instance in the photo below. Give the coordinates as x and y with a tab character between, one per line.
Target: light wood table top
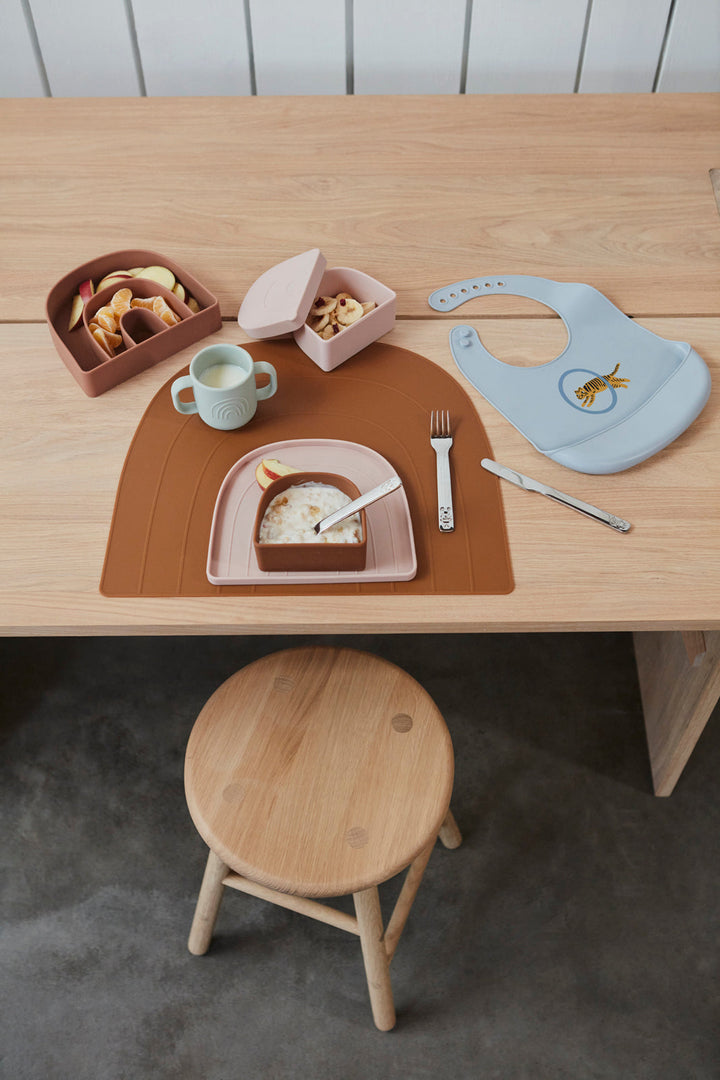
417	191
614	191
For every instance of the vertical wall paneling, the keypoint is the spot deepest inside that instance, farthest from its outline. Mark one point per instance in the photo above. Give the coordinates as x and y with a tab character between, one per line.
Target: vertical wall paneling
692	54
298	48
414	47
524	46
19	72
86	47
623	45
197	48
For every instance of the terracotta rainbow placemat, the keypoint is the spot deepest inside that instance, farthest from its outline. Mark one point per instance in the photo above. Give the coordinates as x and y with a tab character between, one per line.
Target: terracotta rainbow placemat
382	398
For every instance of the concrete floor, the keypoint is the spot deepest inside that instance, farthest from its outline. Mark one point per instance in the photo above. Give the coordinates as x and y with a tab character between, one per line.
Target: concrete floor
575	934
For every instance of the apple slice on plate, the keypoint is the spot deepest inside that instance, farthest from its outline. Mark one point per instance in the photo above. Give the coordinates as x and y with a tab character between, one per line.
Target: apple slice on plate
271	469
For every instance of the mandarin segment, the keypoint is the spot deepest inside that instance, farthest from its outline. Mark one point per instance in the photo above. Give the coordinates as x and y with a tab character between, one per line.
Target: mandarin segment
120	302
161	308
101	337
105	318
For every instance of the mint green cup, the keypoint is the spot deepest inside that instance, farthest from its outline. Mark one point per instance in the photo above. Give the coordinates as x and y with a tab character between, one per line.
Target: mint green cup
222	380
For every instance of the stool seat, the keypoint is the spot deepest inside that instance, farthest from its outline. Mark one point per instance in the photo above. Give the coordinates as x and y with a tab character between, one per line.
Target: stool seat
319	771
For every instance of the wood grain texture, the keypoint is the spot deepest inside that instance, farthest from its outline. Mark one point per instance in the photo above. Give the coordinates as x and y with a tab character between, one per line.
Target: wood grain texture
405	900
60	462
678	697
377	965
303	741
208	905
695	646
608	189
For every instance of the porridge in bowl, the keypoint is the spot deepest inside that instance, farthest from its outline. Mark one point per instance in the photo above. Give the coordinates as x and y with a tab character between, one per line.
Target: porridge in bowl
284	536
292	515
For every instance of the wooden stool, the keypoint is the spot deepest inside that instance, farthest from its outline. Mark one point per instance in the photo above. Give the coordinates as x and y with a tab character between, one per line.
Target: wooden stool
320	772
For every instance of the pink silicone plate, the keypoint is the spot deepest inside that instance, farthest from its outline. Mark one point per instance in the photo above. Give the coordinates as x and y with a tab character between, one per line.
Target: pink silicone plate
391	547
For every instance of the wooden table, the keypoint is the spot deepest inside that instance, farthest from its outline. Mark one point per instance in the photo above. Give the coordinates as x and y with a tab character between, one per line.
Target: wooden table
418	192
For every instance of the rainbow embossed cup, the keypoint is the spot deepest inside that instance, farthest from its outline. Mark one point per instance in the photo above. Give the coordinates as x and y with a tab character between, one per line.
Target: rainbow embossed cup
222	380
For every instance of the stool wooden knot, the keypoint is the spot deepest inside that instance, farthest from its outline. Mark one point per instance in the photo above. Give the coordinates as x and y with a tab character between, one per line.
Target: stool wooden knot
402	722
233	793
357	837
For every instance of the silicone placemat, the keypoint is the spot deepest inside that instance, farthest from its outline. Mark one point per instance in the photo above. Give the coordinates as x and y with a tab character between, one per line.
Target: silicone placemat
381	398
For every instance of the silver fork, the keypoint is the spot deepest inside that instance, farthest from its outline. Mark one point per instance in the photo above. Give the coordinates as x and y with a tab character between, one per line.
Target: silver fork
441	441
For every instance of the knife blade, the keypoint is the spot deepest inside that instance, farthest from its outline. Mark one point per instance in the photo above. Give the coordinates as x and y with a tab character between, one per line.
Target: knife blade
528	484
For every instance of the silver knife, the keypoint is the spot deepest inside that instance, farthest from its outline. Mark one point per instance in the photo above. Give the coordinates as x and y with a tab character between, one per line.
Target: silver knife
349	509
528	484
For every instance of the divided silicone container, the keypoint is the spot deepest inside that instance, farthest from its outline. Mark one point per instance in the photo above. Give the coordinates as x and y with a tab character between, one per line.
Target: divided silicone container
322	556
279	301
146	338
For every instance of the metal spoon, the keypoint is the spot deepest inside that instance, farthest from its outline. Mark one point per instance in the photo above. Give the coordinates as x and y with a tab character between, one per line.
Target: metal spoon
372	496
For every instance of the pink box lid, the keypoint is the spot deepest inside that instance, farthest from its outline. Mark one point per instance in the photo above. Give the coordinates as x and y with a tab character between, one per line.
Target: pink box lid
278	302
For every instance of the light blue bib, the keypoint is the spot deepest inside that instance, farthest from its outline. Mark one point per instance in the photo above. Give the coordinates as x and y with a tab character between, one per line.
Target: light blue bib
616	394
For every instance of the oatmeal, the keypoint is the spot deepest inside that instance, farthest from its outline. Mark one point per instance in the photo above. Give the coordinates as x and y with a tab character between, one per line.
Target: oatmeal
291	516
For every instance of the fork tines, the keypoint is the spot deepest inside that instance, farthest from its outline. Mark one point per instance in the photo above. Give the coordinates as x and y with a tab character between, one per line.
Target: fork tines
440	424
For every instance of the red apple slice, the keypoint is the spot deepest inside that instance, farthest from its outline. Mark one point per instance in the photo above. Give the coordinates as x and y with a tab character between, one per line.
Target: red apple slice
261	477
76	311
271	469
86	290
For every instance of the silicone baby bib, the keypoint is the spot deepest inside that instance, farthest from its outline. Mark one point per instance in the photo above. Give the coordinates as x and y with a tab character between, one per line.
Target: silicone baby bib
616	394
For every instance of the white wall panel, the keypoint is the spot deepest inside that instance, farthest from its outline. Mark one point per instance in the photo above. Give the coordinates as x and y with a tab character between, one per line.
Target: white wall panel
623	46
86	47
19	73
298	48
193	47
525	46
692	57
413	47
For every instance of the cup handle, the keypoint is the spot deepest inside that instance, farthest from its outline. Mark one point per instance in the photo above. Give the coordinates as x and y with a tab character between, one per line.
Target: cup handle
183	383
267	369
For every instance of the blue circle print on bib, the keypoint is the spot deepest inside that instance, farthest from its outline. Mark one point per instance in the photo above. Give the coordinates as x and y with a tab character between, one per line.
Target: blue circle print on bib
586	396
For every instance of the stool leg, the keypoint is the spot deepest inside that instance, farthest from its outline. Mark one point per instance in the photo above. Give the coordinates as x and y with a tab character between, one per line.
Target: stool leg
208	905
449	833
396	923
377	968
